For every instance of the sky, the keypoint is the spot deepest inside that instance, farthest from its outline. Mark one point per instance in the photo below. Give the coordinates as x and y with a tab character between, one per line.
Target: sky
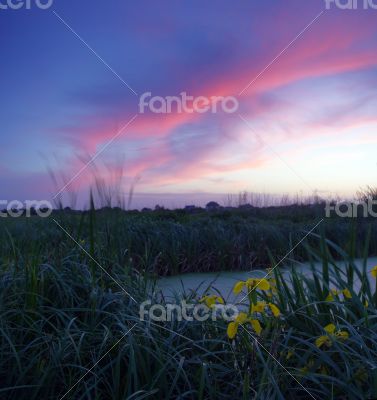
303	74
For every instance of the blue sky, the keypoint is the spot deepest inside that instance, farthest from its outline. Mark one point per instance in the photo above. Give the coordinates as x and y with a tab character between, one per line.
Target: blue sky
304	77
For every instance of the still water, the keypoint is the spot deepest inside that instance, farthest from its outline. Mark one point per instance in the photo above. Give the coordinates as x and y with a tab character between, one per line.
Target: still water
223	282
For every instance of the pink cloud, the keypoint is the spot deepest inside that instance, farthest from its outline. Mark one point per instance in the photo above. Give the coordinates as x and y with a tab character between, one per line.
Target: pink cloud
330	48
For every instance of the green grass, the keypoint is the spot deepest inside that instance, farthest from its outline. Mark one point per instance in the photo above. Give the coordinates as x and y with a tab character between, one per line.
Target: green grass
61	314
173	242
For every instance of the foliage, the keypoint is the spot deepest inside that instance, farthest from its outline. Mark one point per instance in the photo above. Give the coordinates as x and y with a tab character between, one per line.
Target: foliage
69	314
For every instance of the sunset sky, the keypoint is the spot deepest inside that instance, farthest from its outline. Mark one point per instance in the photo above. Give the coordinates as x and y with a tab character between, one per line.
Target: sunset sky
305	78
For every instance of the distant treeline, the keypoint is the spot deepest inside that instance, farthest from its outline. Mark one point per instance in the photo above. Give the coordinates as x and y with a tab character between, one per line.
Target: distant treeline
165	242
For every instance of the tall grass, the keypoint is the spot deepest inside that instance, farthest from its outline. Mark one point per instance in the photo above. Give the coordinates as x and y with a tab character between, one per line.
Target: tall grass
173	242
67	329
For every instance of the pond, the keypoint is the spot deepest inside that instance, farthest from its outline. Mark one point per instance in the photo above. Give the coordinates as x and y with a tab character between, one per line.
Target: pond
223	282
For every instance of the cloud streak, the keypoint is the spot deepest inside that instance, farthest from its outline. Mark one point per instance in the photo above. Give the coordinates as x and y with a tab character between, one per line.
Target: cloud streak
216	52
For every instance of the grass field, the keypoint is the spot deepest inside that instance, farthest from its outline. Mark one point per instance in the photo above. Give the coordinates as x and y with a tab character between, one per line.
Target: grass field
71	286
170	242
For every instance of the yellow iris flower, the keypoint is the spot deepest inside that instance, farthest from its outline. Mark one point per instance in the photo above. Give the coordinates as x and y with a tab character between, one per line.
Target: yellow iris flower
335	292
238	287
374	272
323	341
261	284
242	318
275	310
347	294
342	335
250	284
210	301
326	340
290	354
332	294
260	307
330	328
232	330
256	326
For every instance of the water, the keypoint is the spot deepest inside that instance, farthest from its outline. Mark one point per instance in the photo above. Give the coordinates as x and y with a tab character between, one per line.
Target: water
223	282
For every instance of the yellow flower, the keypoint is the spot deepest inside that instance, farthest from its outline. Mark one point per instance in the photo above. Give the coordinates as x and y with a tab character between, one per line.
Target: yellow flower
238	287
326	339
332	293
232	330
374	272
347	294
290	353
366	303
256	326
241	319
323	341
259	307
274	309
261	284
210	301
342	335
251	283
330	328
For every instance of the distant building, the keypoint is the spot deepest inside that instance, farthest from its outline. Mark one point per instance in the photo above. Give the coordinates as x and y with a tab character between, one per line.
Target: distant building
212	205
245	207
